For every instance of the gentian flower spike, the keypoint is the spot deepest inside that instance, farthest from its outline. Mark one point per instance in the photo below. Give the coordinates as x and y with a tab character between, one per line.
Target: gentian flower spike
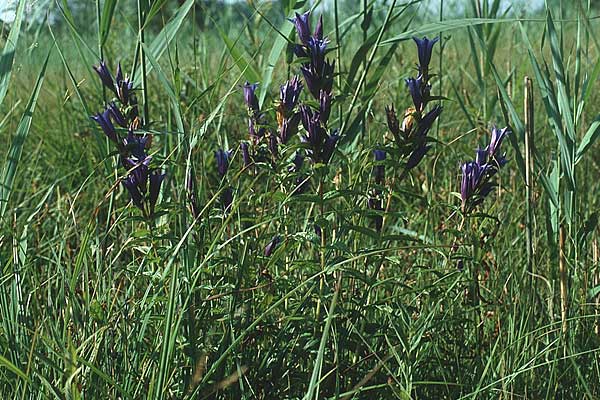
379	170
424	49
222	158
105	75
103	119
272	246
250	97
302	22
156	180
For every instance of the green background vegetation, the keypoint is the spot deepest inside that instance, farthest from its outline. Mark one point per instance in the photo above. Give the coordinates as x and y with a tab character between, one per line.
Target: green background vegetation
95	303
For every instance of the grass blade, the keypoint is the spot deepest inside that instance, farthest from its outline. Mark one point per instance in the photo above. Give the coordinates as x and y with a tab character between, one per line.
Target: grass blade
164	38
8	54
16	149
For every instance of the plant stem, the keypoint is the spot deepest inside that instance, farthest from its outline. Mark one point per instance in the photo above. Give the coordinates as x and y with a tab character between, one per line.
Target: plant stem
141	15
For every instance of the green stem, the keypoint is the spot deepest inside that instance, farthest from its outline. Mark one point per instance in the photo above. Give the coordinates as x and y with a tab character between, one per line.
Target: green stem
141	16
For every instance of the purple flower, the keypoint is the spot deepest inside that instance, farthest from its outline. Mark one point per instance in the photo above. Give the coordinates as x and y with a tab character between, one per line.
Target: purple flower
289	128
329	147
156	180
319	29
245	154
324	106
419	92
424	49
250	97
136	145
316	49
475	184
481	156
272	245
222	158
103	119
427	121
315	133
227	199
131	185
289	93
105	75
493	149
117	115
379	170
302	23
123	86
417	155
318	80
139	170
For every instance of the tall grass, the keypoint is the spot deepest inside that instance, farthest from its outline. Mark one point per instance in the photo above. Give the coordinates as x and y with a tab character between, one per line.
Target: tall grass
99	301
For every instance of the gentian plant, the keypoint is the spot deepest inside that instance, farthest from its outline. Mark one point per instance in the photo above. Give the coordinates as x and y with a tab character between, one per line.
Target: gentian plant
141	181
411	137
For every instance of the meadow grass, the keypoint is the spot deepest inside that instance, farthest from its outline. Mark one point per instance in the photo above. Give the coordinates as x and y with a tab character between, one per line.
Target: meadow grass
100	300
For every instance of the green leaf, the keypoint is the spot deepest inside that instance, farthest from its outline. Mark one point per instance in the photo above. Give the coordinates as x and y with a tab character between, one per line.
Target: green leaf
164	38
8	54
445	26
16	149
240	59
106	19
154	9
588	139
12	367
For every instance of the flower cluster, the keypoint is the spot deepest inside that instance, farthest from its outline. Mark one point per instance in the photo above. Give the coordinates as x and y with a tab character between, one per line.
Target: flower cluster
412	137
142	182
321	141
477	176
318	75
